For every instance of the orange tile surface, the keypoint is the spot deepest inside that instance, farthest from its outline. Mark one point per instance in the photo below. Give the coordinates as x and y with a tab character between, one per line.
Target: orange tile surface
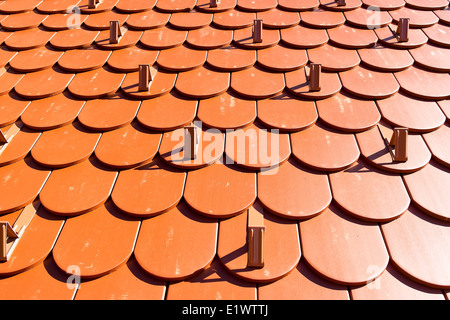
120	211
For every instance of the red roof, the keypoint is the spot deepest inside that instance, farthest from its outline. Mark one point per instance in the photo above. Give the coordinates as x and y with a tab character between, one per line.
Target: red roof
321	162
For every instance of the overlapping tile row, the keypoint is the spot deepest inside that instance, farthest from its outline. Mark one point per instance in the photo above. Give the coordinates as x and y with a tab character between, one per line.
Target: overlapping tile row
120	213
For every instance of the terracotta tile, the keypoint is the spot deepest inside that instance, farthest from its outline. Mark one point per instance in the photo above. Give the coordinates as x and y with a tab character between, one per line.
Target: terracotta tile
129	38
444	16
52	80
437	142
368	18
127	147
8	79
74	39
128	282
220	190
35	59
349	5
244	38
21	21
257	83
278	19
226	111
417	115
80	60
148	190
416	233
352	38
296	6
35	244
21	183
231	58
320	18
77	189
348	113
63	21
369	84
97	242
385	5
162	84
19	147
56	6
424	84
43	282
256	147
128	59
427	188
445	107
6	55
303	37
418	18
95	83
315	145
181	58
105	5
234	19
147	20
334	58
297	83
131	6
210	148
392	285
11	107
427	5
302	284
168	112
17	6
209	38
281	249
177	244
386	36
261	5
202	82
175	5
292	191
386	59
373	146
286	112
438	34
163	38
281	58
64	146
190	20
5	35
214	283
205	5
29	39
100	21
108	113
369	193
432	58
343	249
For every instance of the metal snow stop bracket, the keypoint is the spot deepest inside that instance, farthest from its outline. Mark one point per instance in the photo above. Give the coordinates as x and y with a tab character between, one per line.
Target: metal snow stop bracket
11	235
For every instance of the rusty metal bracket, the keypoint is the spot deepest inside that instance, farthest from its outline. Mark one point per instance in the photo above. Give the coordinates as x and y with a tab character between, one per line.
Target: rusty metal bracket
214	3
115	32
11	235
257	30
402	32
313	72
341	3
147	74
255	234
5	138
397	144
92	4
191	142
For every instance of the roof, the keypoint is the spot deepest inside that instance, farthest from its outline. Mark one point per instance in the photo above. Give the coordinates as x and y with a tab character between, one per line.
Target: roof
299	187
